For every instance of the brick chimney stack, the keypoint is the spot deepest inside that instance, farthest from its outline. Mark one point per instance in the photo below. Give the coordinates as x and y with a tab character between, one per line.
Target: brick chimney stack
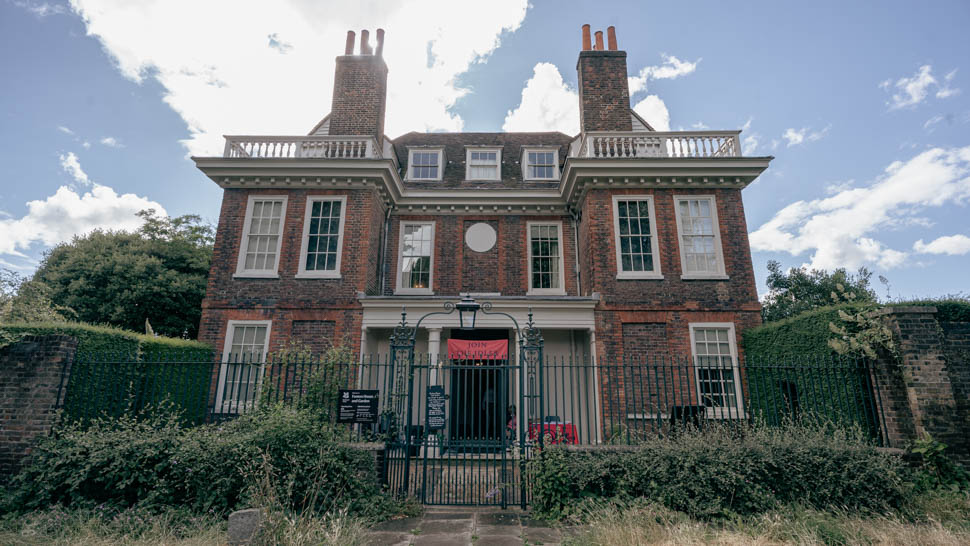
604	93
360	89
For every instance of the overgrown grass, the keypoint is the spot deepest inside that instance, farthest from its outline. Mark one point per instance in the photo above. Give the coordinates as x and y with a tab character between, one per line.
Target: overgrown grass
938	519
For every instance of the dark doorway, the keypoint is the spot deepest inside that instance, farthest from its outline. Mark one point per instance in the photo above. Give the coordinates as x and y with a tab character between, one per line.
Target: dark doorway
479	396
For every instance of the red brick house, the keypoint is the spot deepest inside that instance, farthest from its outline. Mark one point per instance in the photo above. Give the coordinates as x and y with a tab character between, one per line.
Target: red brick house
623	240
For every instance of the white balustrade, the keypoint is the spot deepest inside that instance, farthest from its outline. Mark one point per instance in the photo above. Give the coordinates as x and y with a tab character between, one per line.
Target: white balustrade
614	145
312	147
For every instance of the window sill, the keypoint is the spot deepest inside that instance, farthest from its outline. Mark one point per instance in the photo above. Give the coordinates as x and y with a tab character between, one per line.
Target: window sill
704	278
328	275
256	275
545	292
639	277
414	292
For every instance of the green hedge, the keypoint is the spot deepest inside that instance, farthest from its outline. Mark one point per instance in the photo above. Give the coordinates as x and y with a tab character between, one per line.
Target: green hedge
278	454
117	371
806	334
719	473
947	309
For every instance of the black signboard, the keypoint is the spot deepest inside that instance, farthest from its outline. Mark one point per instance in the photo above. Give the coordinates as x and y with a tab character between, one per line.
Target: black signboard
357	406
436	407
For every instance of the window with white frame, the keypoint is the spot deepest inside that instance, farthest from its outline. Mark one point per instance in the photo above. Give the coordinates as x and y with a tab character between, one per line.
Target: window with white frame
541	164
323	228
635	230
700	241
416	258
716	369
241	372
425	164
483	164
259	252
545	258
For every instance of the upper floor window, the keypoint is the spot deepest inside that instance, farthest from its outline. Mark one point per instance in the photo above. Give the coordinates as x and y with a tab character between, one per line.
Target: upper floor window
483	164
416	260
323	229
259	250
635	236
700	240
425	164
545	258
716	368
541	164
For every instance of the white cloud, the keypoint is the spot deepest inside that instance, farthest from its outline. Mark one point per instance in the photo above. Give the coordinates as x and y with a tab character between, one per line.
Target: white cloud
798	136
954	245
72	166
65	130
654	111
547	104
932	121
671	68
67	213
112	142
750	144
839	229
914	89
236	84
41	9
947	91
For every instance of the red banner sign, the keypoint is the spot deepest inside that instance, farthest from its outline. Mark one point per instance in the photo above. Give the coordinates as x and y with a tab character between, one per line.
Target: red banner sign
466	349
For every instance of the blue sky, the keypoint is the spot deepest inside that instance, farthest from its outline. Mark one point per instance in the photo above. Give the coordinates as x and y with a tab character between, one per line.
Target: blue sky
865	105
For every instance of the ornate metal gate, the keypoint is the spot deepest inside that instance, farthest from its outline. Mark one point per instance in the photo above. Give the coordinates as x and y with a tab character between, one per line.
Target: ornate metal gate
478	453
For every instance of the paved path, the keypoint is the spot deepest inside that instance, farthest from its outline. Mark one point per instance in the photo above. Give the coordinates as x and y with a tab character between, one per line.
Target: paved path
453	525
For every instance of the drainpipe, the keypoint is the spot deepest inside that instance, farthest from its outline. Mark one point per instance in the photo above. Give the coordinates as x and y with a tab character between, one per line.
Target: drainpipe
383	255
575	217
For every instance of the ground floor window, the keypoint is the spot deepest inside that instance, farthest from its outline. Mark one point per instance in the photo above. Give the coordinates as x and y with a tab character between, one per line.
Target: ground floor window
716	368
241	371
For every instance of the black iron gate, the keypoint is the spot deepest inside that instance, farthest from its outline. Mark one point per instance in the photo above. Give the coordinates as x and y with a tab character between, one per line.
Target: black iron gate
464	436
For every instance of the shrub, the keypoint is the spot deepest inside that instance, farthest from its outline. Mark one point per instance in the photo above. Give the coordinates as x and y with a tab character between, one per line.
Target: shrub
721	472
156	463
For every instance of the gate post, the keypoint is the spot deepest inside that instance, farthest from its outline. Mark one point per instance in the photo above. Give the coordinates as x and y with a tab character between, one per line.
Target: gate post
530	373
402	357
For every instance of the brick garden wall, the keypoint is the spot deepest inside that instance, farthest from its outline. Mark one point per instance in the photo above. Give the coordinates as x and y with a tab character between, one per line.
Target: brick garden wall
30	382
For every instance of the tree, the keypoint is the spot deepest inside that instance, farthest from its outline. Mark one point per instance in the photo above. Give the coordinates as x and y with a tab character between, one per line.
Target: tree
23	300
800	289
157	273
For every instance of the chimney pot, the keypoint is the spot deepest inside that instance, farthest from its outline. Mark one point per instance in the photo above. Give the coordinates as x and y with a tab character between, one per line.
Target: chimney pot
599	40
364	45
611	37
380	42
349	48
587	44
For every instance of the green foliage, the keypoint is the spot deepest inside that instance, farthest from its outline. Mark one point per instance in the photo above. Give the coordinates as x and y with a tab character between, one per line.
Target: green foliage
859	331
937	470
720	472
805	334
24	300
953	308
799	289
121	278
98	339
157	463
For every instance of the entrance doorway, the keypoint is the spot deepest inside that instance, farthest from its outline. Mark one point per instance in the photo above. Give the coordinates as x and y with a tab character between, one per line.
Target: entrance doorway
480	393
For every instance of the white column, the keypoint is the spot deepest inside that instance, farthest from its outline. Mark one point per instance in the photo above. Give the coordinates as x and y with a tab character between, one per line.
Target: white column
363	351
434	350
597	417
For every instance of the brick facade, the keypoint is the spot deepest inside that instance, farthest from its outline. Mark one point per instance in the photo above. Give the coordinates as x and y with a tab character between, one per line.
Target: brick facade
604	91
359	96
924	390
33	374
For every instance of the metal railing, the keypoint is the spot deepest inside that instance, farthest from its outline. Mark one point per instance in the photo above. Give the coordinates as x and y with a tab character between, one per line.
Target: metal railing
580	401
654	144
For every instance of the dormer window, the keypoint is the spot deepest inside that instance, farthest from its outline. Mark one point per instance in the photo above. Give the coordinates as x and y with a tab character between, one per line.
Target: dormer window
425	163
483	163
540	164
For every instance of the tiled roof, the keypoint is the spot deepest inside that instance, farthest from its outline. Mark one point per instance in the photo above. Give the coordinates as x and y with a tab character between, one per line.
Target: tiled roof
454	146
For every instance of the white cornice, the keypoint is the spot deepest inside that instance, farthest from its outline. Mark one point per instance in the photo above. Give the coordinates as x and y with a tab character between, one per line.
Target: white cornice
562	313
578	177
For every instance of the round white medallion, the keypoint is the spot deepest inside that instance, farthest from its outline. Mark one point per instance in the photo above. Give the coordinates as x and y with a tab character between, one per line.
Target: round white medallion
480	237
